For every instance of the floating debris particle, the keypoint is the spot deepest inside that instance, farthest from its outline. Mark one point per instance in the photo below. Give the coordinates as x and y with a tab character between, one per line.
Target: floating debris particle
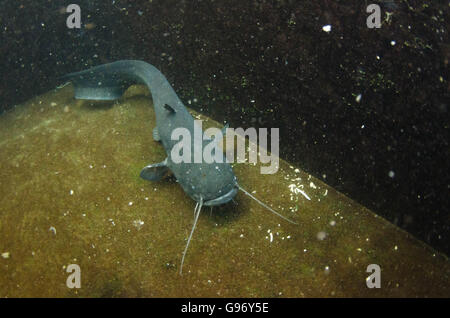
90	26
326	28
5	255
52	229
138	224
321	235
296	189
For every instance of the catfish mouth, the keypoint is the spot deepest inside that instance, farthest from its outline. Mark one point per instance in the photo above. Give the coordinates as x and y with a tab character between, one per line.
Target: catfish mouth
227	197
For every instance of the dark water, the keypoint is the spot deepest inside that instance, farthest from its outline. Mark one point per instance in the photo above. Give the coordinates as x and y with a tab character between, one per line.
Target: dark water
364	110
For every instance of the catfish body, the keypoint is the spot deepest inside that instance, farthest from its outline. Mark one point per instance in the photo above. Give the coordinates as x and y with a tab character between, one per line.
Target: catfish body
207	183
213	183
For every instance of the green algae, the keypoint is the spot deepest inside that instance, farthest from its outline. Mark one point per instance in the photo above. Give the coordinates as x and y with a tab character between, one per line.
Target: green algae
71	194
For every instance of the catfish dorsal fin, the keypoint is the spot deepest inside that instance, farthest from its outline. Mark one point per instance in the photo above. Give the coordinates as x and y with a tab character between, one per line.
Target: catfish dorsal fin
170	108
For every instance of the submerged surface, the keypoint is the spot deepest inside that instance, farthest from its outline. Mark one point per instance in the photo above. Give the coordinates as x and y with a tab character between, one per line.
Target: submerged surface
71	194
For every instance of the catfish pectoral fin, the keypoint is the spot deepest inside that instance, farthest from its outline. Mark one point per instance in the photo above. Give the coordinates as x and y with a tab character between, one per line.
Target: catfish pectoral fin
155	172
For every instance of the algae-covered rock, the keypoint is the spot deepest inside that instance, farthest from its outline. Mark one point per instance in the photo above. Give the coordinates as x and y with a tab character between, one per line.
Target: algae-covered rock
70	193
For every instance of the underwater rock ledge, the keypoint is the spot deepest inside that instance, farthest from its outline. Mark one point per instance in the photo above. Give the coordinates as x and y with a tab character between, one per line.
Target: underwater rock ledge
71	194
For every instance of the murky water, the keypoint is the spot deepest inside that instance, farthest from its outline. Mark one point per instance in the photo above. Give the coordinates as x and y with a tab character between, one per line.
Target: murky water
70	193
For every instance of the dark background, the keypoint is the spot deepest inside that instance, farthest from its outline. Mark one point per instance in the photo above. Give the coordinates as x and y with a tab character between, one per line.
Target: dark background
269	64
